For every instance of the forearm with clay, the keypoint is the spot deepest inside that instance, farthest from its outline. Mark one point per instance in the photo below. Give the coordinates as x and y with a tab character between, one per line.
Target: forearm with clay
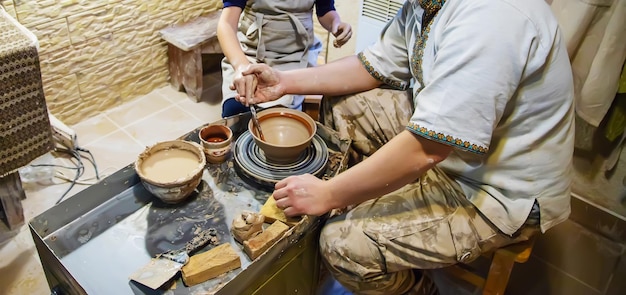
329	79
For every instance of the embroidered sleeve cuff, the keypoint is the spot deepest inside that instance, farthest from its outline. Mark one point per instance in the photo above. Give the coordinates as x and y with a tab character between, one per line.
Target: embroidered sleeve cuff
396	84
447	139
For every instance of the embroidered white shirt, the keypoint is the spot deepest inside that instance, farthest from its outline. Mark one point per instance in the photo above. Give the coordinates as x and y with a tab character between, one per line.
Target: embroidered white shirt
494	80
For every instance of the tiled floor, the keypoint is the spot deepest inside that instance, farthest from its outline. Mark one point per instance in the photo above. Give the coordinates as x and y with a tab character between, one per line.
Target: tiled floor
115	138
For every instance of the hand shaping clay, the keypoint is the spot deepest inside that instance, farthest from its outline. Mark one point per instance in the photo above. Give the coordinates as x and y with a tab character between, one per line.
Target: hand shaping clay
247	225
272	213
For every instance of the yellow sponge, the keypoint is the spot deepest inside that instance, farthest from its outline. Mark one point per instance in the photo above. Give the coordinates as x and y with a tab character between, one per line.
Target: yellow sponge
272	213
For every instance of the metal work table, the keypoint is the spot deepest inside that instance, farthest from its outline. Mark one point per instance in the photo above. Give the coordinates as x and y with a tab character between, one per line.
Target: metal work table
92	242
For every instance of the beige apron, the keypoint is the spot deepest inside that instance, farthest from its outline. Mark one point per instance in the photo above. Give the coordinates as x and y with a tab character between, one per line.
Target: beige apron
279	34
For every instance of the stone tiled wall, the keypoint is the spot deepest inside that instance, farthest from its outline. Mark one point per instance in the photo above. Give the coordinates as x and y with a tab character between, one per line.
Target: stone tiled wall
96	54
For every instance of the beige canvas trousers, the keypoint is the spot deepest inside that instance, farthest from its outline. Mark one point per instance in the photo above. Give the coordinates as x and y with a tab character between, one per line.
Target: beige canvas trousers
428	224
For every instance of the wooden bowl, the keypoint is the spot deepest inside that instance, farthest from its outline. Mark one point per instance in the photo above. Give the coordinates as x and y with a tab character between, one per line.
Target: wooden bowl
287	133
171	170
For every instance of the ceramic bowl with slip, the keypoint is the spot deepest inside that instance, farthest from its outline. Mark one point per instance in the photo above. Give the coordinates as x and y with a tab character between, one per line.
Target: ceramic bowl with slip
252	166
287	134
216	141
171	170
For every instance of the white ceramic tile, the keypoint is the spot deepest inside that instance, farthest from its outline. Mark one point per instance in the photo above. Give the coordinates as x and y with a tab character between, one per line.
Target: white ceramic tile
211	90
203	111
138	109
171	94
167	124
112	153
93	128
20	269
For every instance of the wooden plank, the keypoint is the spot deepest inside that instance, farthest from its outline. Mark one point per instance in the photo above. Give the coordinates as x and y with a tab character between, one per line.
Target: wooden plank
212	46
256	246
466	275
11	195
311	106
174	61
194	33
519	252
499	273
191	63
210	264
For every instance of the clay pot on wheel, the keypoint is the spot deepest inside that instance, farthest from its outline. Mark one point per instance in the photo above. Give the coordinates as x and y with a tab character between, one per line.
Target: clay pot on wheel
287	133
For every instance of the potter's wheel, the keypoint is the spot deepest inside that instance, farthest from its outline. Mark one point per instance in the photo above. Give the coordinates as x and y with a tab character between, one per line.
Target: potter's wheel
252	165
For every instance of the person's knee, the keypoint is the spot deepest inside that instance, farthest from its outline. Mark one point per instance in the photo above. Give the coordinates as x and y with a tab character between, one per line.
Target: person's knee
356	262
231	107
330	248
346	249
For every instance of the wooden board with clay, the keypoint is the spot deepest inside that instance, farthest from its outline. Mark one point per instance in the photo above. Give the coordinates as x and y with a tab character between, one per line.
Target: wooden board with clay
272	213
210	264
255	246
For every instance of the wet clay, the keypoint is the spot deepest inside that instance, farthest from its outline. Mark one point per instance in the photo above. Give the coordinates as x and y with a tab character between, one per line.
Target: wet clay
284	130
170	165
247	225
216	138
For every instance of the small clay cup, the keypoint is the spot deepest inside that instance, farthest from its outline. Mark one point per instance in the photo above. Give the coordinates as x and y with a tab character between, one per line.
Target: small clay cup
216	141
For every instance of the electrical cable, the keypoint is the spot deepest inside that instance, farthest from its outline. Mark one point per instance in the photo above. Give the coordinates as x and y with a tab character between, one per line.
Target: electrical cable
83	181
79	172
80	169
61	175
77	160
52	165
92	160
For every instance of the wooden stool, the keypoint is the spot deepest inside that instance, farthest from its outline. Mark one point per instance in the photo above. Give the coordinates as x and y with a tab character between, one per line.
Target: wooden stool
502	261
186	44
11	195
311	106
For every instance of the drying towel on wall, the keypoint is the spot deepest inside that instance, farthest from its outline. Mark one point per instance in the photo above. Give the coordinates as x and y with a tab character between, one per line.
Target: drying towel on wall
25	131
595	32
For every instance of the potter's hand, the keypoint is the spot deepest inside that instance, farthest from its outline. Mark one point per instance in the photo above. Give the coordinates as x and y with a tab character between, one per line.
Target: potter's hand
243	84
267	85
342	33
302	195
